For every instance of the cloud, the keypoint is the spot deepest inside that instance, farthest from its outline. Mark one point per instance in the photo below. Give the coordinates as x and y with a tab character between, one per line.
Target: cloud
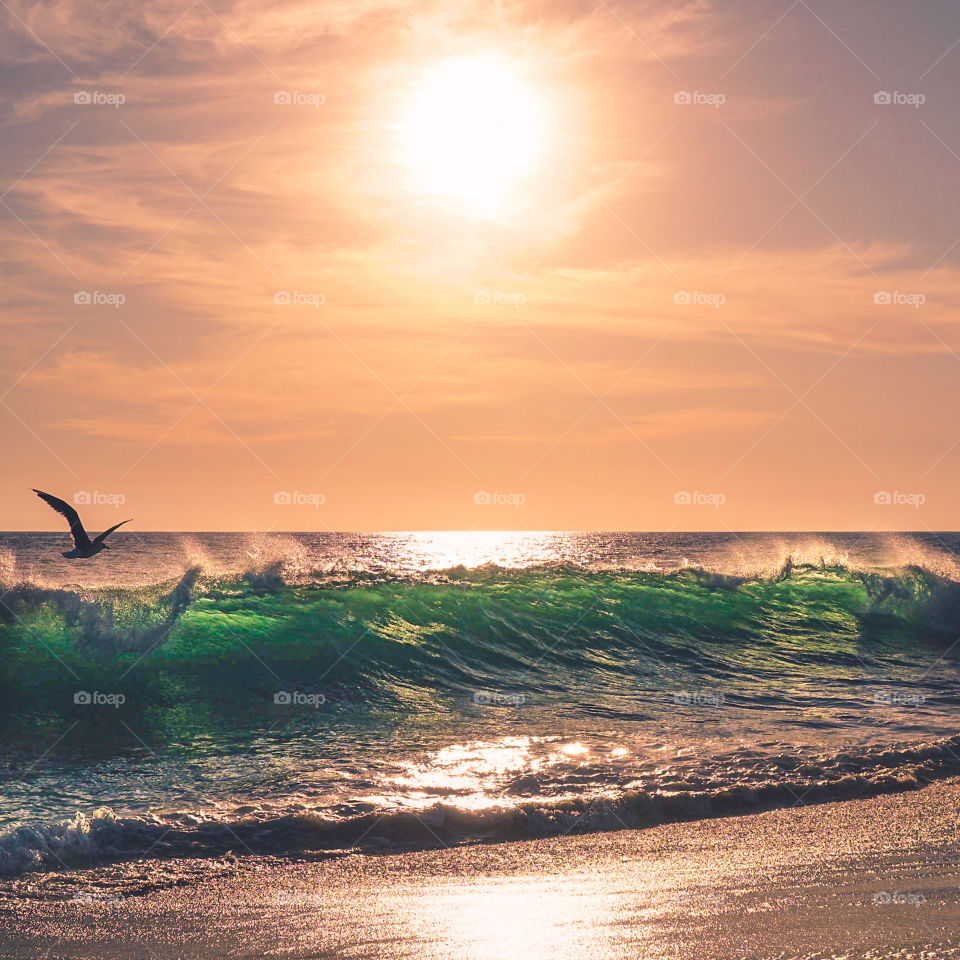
658	257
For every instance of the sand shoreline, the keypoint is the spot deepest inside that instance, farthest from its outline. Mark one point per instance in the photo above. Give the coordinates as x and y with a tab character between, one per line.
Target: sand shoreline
872	878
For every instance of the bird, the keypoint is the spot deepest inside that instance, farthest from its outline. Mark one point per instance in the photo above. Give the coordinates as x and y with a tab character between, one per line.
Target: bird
84	547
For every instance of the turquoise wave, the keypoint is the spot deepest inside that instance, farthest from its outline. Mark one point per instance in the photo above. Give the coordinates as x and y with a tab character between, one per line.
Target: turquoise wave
207	654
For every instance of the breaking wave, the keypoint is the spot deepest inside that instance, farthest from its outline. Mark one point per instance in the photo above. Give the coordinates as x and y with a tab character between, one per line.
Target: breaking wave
548	650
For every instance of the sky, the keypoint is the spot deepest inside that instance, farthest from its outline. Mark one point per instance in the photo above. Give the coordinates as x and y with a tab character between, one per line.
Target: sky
378	265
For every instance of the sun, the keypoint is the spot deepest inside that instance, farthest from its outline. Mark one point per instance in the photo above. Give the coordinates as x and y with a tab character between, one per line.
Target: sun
471	134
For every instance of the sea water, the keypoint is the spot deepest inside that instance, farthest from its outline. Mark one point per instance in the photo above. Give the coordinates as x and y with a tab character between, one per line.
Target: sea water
204	693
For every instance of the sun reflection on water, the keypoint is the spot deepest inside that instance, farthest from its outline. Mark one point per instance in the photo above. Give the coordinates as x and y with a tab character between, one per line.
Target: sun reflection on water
517	917
481	774
440	550
468	771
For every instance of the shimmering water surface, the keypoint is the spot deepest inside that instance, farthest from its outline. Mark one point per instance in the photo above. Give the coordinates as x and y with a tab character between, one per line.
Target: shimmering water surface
207	692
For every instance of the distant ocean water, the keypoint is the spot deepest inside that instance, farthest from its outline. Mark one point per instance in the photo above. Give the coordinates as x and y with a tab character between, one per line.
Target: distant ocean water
193	694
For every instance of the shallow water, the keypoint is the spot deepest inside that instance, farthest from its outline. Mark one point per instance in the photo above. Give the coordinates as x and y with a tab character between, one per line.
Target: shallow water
205	692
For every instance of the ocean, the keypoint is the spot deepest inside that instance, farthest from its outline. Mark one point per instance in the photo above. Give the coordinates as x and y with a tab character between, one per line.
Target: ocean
208	694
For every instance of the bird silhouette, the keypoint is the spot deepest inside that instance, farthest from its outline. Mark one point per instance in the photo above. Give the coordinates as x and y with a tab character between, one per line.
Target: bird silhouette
84	547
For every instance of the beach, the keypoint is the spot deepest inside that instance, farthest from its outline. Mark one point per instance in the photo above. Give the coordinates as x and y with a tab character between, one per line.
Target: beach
873	878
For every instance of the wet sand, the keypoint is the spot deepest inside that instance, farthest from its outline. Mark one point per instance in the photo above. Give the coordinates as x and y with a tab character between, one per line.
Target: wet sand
876	878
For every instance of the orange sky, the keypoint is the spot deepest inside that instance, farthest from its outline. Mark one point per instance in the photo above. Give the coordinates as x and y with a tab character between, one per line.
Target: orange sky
540	350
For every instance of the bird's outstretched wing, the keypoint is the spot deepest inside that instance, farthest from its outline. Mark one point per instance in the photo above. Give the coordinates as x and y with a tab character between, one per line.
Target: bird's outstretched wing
80	537
106	533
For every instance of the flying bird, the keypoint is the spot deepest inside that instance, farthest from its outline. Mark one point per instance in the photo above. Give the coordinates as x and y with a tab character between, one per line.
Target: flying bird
84	547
